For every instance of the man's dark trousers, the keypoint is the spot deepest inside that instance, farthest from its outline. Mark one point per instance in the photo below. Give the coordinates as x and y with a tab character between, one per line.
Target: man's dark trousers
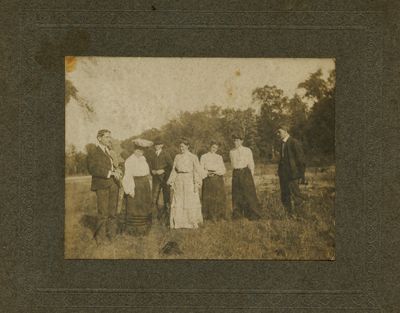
290	190
291	169
107	200
164	162
99	166
160	186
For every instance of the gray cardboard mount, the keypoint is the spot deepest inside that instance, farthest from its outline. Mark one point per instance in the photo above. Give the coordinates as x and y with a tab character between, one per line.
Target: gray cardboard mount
363	36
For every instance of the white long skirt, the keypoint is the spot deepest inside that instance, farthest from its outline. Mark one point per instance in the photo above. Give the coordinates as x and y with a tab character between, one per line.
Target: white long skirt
185	205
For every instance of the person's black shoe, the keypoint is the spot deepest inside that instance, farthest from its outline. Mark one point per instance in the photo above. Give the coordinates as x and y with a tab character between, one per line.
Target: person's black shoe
254	217
236	215
290	214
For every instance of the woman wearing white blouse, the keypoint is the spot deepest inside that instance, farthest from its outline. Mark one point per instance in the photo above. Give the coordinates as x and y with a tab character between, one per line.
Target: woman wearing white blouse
244	197
185	181
136	183
213	191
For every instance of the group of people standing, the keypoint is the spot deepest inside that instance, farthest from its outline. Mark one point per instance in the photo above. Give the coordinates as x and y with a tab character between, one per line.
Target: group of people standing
191	189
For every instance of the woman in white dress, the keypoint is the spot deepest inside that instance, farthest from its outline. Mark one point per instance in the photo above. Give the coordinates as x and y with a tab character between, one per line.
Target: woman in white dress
185	181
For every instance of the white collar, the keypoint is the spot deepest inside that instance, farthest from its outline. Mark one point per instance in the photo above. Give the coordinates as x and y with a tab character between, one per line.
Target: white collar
133	155
242	148
102	147
286	138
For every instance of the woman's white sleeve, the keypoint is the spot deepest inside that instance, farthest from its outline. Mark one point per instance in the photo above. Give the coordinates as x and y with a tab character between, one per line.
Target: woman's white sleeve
221	170
128	182
251	161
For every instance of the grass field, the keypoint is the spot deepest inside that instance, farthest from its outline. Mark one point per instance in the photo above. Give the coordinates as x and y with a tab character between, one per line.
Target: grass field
275	237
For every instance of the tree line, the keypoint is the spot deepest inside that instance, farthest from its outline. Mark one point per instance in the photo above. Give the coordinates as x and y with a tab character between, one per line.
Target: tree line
311	119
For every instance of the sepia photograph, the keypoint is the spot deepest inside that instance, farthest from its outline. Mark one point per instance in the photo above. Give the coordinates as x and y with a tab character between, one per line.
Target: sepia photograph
199	158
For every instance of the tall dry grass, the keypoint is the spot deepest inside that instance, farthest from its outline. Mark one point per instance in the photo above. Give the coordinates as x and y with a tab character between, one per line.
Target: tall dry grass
310	236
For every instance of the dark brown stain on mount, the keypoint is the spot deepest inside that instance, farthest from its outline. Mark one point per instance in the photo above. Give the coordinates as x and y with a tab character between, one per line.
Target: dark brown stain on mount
74	42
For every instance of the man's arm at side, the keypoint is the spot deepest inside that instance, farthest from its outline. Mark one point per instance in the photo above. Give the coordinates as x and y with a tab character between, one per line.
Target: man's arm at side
169	160
300	158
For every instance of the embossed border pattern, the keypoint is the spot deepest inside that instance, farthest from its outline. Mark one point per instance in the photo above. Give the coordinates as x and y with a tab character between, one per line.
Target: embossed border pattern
231	300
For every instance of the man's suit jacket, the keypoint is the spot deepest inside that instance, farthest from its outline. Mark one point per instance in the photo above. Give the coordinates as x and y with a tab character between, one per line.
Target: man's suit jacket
163	161
292	165
99	165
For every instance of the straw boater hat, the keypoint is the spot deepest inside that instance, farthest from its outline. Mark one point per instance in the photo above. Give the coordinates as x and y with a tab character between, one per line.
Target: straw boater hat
142	143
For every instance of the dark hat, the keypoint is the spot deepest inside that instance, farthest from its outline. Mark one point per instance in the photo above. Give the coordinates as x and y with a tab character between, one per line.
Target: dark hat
158	141
283	126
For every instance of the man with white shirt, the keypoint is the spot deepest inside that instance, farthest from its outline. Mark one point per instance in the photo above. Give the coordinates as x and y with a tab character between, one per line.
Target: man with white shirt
291	169
104	176
244	197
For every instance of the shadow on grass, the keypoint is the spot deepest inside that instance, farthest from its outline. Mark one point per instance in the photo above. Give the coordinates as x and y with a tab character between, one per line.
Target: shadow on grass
90	222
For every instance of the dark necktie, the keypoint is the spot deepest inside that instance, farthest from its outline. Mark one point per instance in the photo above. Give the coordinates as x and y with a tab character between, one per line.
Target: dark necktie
108	153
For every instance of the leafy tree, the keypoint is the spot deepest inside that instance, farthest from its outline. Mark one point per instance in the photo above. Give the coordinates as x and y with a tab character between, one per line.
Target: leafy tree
242	121
75	161
315	86
199	128
297	116
273	111
72	92
81	163
89	147
70	165
314	125
320	128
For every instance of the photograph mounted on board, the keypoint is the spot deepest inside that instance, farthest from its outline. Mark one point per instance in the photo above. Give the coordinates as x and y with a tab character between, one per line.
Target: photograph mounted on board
199	158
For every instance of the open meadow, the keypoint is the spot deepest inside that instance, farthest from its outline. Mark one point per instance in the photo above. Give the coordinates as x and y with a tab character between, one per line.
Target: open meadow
311	236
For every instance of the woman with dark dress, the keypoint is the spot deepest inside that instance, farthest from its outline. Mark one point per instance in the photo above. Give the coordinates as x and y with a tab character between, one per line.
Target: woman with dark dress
136	183
213	189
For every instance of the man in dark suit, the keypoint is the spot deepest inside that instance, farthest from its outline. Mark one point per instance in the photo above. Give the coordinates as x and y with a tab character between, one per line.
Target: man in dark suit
104	182
291	169
161	165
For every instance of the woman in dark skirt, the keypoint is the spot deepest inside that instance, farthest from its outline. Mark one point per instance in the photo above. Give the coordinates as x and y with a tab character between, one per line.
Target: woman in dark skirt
136	183
244	197
213	189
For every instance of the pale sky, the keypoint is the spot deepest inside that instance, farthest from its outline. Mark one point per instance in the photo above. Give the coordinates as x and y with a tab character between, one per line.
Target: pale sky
130	95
